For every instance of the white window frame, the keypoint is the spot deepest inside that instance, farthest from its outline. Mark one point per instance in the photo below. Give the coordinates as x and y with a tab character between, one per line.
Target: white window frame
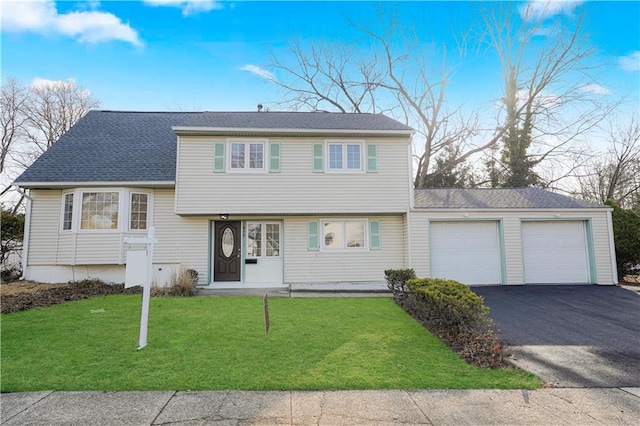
74	212
124	210
129	194
263	239
247	159
345	161
344	221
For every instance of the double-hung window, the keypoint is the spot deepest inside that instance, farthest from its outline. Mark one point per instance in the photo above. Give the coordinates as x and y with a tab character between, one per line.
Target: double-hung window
344	156
247	156
263	239
344	235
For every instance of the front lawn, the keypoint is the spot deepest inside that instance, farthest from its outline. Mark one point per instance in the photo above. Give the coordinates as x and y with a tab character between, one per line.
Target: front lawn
211	343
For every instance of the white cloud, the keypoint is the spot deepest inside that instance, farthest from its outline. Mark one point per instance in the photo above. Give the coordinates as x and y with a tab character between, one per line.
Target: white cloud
542	9
44	83
189	7
595	89
88	26
260	72
630	62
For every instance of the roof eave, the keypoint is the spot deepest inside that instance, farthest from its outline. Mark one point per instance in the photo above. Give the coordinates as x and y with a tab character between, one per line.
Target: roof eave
225	131
511	209
89	184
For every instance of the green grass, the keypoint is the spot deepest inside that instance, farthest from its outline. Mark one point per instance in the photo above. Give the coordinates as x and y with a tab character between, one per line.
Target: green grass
209	343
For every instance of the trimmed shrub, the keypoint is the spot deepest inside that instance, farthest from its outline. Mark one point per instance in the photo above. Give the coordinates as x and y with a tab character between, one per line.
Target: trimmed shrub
397	281
458	316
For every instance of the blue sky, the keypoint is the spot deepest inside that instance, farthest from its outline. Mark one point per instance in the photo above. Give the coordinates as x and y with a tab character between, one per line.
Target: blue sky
207	55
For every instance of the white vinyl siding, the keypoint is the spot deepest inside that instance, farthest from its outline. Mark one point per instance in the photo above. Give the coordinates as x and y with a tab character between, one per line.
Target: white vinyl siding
512	239
357	266
296	189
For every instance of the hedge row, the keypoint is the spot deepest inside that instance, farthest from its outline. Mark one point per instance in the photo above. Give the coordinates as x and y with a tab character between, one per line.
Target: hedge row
453	312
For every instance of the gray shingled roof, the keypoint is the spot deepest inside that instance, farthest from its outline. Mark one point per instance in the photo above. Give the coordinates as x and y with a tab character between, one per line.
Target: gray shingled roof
295	120
117	146
498	198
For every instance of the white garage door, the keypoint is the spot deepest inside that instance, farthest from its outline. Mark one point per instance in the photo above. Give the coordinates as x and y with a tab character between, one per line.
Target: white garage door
555	252
465	251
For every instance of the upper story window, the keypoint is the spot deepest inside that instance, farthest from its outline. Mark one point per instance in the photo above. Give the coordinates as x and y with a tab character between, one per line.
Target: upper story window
344	156
100	210
247	156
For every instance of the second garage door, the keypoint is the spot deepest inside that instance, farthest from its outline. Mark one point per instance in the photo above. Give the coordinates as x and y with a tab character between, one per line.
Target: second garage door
465	251
555	252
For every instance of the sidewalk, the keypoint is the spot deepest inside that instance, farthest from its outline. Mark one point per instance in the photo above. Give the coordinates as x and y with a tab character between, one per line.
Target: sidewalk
431	407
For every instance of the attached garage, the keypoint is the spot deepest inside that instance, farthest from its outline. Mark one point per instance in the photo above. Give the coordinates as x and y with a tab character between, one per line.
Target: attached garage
555	252
468	252
510	236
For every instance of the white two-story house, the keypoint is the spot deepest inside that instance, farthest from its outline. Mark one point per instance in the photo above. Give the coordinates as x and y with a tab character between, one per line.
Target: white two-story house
271	199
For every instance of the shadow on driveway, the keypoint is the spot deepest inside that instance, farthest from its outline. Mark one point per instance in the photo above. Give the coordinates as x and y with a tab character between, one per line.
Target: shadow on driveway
569	335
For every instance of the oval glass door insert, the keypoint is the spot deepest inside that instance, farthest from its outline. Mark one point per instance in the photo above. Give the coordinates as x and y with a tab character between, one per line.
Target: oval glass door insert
227	242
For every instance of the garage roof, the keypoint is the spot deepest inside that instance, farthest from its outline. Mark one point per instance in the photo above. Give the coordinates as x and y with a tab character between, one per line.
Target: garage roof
497	198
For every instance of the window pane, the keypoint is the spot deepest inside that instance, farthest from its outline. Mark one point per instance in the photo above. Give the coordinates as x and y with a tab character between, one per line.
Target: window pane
335	156
237	155
99	210
68	212
139	203
353	157
333	235
256	156
254	240
273	239
355	234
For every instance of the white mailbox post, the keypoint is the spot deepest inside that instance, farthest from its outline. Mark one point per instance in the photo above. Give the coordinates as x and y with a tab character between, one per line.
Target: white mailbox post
139	271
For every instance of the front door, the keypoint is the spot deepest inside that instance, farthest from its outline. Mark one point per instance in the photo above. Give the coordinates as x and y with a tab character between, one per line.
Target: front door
226	253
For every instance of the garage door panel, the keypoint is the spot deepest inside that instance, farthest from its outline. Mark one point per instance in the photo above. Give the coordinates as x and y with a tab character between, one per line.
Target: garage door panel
465	251
555	252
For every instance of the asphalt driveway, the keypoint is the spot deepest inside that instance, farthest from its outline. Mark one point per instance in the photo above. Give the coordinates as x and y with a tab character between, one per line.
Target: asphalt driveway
570	336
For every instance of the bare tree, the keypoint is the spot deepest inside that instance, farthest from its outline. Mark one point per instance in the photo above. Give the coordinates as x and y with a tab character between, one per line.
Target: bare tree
549	103
616	176
51	109
33	118
12	117
402	83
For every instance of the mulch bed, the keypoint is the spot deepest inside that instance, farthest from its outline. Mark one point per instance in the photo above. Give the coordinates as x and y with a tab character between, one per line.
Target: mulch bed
46	295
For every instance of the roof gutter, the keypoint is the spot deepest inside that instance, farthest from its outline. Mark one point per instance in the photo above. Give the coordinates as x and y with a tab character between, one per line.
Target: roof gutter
181	130
83	184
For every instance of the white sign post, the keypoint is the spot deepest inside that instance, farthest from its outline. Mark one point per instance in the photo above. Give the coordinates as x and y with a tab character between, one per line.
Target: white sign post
139	272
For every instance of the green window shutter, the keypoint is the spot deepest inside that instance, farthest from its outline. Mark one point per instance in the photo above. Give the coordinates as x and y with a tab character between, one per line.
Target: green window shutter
274	157
313	236
372	158
318	158
218	157
374	235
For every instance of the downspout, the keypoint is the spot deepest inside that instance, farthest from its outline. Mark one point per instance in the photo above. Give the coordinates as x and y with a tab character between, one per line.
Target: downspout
26	235
612	248
411	203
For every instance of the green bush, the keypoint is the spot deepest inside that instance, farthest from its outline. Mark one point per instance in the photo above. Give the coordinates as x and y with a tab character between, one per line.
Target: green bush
458	316
397	280
626	231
